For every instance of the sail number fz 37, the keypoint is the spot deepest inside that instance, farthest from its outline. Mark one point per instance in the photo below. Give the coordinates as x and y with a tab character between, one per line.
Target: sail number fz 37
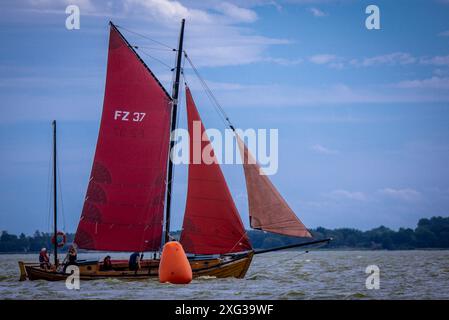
129	116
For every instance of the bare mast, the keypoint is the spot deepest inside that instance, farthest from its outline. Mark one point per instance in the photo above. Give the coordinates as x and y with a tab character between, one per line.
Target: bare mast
175	94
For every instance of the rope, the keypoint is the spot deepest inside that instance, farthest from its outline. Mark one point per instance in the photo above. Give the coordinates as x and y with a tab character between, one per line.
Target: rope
154	48
243	235
210	95
146	37
154	58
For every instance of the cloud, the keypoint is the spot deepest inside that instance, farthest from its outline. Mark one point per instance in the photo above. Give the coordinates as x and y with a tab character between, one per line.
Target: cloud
213	37
317	12
322	58
213	48
284	62
312	2
440	72
318	148
401	194
275	4
285	96
396	58
444	33
168	10
229	94
430	83
347	195
390	59
237	13
84	5
329	60
436	61
210	13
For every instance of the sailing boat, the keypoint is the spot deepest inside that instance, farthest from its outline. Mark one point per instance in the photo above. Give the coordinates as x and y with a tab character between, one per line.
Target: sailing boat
131	181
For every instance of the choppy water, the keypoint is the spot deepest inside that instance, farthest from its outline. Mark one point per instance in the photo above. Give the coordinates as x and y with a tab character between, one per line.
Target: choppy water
279	275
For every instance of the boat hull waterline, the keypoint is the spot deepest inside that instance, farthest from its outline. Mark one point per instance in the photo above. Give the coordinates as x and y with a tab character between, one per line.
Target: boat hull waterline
214	267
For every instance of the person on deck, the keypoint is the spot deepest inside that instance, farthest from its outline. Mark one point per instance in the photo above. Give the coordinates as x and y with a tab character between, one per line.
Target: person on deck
134	261
107	264
44	260
70	258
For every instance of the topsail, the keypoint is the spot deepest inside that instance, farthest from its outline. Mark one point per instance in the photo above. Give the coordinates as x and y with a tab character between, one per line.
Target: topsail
268	210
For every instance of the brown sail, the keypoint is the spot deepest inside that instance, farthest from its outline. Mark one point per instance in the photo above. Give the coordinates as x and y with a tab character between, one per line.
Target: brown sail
268	211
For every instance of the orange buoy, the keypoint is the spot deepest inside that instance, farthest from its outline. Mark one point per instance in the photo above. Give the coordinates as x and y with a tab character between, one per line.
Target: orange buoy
174	266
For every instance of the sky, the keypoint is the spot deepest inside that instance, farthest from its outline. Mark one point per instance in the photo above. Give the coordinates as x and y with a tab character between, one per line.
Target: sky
363	115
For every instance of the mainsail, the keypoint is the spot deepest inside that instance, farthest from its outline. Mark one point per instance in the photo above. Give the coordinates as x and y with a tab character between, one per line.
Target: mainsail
268	210
123	208
212	223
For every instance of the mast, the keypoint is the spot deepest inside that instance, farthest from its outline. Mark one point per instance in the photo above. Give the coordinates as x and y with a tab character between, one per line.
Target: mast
55	221
175	94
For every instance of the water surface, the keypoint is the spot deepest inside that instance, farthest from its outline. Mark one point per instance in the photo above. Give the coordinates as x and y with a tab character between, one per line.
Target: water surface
277	275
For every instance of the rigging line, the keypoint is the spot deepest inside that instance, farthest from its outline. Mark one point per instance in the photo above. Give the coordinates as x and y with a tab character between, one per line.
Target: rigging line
243	235
209	91
220	115
153	48
204	82
145	37
156	59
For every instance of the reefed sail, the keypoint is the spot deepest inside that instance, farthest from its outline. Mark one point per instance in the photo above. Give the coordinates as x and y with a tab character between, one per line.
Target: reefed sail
212	223
268	210
124	204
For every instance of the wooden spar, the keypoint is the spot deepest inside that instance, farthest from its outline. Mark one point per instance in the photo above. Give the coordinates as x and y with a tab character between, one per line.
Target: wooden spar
292	246
55	198
175	95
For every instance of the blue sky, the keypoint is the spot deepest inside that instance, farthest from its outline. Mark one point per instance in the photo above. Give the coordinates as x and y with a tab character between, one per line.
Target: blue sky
362	114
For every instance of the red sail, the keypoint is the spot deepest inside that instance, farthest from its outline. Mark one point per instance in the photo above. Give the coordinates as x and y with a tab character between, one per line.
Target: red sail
124	204
268	211
212	223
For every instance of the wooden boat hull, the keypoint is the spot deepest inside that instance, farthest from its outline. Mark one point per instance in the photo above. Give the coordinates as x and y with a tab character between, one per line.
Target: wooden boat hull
216	267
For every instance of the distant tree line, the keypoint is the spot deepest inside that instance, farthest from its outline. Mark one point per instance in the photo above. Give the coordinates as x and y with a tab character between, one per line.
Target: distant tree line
429	233
34	243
